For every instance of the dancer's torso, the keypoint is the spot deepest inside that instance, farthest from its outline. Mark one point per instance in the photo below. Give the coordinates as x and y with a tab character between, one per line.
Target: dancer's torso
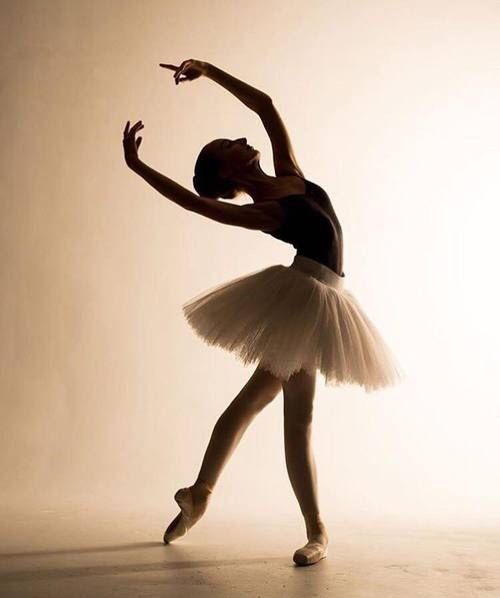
312	227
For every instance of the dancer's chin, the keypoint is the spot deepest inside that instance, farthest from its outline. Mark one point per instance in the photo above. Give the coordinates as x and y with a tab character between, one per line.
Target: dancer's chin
254	158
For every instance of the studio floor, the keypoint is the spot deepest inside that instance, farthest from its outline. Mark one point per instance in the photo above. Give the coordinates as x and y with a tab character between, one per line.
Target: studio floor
92	552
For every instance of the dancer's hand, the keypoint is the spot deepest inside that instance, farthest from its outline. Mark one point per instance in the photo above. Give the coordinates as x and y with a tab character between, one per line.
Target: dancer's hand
191	69
130	145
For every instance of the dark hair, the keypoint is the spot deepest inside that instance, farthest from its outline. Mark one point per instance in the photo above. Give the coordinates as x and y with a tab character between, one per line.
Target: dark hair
207	180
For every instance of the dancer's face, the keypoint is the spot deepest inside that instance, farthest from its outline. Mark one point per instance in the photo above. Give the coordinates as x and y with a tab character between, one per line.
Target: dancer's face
234	154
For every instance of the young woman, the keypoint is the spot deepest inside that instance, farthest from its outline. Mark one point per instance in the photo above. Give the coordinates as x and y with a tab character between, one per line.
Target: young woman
289	320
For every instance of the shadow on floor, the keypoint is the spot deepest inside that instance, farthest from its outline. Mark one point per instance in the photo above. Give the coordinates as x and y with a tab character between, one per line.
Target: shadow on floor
29	575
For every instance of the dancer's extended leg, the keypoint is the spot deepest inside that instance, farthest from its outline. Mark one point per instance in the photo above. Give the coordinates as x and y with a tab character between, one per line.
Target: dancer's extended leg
298	397
259	391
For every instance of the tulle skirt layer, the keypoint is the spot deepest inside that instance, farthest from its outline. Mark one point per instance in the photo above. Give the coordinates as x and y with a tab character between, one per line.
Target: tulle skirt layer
291	317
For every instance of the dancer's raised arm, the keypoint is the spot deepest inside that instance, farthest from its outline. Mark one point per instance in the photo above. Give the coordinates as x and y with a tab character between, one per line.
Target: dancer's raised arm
191	69
285	162
266	216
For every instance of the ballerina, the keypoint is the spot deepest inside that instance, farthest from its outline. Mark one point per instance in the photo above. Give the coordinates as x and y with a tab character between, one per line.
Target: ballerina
291	321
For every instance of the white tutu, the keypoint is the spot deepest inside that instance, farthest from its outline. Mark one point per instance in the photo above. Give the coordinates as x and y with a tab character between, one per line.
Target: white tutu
292	317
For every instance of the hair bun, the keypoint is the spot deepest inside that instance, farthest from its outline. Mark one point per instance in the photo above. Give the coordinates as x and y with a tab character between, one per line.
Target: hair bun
208	182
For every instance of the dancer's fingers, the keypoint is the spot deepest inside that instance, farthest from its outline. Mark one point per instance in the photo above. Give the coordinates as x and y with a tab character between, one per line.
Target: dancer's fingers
138	125
172	67
180	70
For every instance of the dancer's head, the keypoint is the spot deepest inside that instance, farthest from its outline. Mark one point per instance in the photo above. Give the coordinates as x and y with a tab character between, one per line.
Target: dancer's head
221	166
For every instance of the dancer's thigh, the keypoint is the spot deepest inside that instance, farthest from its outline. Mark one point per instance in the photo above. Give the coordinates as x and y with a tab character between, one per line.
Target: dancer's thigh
298	398
261	388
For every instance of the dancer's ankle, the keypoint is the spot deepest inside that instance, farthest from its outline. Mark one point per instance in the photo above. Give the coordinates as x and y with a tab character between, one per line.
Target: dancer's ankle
203	487
315	526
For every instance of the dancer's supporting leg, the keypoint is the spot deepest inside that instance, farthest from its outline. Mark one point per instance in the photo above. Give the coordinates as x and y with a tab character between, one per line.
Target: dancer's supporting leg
298	397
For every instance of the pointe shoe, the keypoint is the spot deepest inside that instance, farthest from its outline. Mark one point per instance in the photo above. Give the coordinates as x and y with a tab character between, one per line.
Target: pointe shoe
310	553
184	520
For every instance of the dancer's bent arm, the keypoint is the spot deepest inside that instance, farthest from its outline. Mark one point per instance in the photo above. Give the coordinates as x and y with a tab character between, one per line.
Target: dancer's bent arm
253	98
285	162
266	216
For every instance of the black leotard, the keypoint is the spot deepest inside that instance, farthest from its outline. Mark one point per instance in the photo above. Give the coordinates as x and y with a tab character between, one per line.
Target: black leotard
312	227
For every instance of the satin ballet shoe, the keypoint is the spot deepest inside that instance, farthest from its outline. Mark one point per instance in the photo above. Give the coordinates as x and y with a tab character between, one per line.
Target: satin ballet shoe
310	553
184	520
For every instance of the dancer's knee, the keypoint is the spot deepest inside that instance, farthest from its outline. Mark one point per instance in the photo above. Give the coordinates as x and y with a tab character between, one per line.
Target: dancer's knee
260	390
298	421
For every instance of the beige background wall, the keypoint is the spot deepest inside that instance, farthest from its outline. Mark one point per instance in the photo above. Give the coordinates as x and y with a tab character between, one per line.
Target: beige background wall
107	396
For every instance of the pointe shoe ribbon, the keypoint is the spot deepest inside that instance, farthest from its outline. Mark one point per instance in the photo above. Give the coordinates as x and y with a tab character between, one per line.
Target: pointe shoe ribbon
183	522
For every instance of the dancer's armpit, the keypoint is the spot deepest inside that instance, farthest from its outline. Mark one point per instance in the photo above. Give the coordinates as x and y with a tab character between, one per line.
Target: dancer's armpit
265	216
